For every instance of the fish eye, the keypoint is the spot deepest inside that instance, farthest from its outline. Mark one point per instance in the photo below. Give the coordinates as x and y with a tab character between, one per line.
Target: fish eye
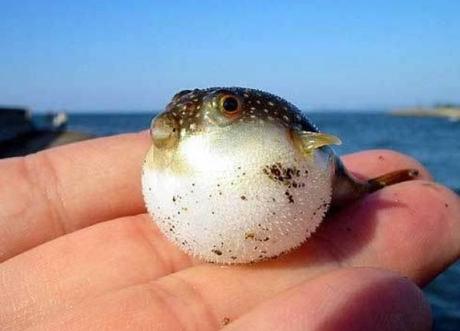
230	104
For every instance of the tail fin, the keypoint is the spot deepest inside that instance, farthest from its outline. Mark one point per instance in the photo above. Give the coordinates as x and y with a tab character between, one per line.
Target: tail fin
391	178
347	188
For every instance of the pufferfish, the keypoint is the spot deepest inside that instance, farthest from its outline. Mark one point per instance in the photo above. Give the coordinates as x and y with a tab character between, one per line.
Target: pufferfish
238	175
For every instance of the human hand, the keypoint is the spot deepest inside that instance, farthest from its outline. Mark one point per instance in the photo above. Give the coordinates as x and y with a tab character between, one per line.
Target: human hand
79	252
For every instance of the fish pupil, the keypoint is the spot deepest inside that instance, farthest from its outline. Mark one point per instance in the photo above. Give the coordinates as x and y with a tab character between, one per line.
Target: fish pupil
230	104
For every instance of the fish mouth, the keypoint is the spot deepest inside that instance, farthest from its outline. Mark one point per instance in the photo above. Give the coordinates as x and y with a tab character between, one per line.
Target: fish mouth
165	131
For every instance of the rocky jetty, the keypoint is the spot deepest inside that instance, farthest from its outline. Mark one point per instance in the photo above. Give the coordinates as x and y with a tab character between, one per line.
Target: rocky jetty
20	134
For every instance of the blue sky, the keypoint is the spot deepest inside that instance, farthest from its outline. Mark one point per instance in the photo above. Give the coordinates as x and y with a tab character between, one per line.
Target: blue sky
120	55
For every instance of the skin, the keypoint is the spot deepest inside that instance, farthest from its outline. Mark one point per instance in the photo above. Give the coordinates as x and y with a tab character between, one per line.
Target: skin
79	252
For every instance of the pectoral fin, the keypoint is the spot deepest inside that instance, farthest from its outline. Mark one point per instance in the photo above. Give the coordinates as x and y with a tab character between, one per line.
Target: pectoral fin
310	141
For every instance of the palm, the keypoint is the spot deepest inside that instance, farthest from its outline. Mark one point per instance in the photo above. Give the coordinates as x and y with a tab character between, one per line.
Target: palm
79	252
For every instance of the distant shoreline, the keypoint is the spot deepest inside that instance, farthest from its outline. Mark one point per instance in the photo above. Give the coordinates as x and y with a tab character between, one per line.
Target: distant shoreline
445	112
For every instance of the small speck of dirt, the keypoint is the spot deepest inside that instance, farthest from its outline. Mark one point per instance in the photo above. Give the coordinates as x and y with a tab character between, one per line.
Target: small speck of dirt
243	197
249	235
216	251
446	205
381	158
279	173
225	321
289	196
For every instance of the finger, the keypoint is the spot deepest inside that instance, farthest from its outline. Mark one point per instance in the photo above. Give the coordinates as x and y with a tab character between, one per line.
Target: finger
412	228
201	297
162	307
373	163
86	263
57	191
348	299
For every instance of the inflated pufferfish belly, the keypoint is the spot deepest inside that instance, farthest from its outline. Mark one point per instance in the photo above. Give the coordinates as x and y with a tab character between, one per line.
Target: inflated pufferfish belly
238	175
235	206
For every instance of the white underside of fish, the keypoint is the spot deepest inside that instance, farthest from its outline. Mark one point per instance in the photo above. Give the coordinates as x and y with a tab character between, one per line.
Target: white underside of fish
238	198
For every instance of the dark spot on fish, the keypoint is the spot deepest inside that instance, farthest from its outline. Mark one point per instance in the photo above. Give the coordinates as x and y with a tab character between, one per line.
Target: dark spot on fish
446	205
174	198
216	251
243	197
233	257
